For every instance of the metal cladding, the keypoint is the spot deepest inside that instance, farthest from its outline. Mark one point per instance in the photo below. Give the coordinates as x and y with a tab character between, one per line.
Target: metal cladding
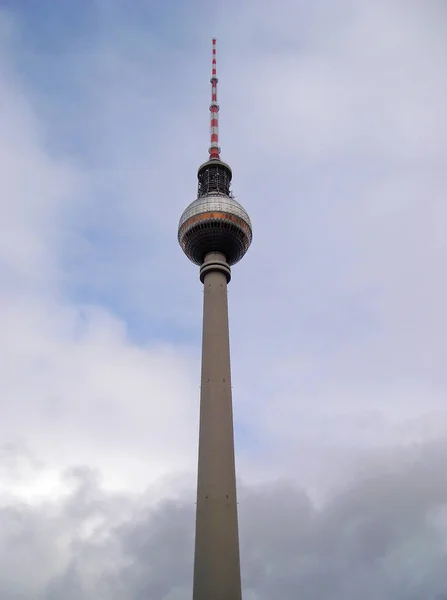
215	223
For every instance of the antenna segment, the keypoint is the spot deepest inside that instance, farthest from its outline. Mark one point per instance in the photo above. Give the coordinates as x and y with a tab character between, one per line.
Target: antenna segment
214	110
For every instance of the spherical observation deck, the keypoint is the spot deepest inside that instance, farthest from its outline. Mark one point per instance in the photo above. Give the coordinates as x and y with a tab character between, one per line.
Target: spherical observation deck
215	223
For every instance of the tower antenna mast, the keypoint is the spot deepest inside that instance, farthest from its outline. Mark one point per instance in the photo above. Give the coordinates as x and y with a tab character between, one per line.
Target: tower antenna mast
214	110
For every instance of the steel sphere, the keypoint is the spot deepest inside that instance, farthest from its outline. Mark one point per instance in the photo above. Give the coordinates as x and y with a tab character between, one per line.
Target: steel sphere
215	223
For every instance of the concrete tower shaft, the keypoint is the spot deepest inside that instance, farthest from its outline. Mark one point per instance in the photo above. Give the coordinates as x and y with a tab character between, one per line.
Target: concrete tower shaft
216	559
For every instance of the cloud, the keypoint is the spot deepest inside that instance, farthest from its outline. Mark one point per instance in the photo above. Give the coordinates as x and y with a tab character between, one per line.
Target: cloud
383	535
345	188
74	387
332	119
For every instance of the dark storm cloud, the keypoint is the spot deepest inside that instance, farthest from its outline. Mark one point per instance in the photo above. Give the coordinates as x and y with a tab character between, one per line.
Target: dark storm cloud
384	536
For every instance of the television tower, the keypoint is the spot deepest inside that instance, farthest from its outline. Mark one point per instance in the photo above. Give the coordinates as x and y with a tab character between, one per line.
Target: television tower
215	233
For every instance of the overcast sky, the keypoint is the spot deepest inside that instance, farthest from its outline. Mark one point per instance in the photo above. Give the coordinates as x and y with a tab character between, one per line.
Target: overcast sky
333	119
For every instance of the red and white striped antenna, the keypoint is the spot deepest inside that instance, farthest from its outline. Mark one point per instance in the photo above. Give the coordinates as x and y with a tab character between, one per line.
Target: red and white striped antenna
214	110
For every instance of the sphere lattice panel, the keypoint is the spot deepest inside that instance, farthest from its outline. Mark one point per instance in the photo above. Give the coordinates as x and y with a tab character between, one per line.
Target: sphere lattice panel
215	223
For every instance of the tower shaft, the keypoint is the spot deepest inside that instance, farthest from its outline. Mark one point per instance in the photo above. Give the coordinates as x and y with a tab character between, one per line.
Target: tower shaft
216	559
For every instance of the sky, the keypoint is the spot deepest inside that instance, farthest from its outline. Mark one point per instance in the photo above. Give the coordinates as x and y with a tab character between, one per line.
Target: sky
332	117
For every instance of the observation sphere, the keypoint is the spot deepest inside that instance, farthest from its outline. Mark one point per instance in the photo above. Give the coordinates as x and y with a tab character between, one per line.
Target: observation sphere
215	223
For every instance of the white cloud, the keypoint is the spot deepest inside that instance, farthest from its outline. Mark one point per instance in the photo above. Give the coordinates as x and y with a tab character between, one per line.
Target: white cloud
332	119
74	388
332	123
346	130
